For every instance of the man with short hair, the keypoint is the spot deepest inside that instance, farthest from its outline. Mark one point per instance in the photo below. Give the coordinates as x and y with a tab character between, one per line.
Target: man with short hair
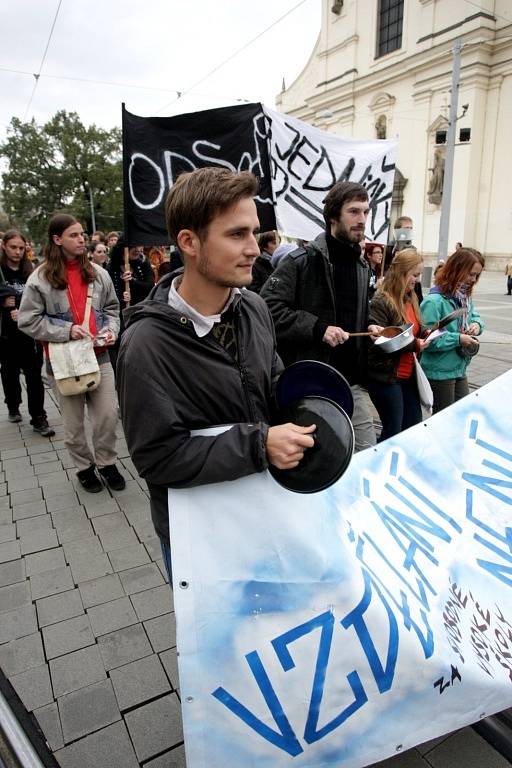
202	349
98	237
318	295
262	269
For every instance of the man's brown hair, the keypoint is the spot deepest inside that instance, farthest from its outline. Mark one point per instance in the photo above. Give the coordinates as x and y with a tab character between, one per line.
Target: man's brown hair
342	193
265	238
199	196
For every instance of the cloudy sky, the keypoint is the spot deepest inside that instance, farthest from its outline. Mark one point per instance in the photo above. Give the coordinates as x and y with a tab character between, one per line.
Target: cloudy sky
144	52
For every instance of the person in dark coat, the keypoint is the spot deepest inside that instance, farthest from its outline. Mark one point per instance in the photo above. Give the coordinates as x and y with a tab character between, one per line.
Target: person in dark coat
203	351
374	253
139	277
18	352
318	295
263	268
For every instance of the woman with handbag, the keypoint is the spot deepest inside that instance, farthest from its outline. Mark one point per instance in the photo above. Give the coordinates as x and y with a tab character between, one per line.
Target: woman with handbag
447	357
18	352
68	299
392	383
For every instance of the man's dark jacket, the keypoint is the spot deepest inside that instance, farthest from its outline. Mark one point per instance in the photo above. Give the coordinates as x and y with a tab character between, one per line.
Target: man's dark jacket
300	296
261	271
170	382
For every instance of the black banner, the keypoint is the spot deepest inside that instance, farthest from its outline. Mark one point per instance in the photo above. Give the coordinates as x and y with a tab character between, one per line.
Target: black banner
157	149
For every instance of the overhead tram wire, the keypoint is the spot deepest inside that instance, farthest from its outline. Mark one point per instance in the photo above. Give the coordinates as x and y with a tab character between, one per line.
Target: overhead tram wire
110	83
42	61
232	56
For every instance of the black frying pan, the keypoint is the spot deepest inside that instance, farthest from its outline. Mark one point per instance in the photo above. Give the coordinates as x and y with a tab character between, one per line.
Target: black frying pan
448	318
329	458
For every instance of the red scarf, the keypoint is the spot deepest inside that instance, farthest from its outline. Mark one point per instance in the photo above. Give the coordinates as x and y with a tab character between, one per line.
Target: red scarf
77	295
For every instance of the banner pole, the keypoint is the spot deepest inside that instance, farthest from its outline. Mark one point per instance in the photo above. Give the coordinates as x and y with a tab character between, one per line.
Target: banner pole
126	269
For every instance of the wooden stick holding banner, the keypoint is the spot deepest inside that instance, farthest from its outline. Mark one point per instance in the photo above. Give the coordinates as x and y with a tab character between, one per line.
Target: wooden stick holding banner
127	269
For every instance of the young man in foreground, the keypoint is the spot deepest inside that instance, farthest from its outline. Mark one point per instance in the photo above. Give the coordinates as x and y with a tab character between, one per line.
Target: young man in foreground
202	351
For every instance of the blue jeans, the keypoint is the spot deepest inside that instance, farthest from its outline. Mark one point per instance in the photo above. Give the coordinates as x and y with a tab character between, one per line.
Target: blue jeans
398	405
166	554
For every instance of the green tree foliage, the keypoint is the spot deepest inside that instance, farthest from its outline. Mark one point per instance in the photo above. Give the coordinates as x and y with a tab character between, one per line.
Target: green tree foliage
57	166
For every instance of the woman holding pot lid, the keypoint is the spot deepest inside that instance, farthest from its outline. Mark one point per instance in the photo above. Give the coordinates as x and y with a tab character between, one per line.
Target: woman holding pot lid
391	376
447	357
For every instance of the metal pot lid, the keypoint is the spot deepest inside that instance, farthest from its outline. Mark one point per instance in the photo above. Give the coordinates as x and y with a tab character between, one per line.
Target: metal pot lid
403	337
329	458
311	378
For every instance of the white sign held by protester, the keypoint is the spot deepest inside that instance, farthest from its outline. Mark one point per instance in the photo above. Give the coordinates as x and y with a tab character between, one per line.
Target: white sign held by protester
306	162
346	626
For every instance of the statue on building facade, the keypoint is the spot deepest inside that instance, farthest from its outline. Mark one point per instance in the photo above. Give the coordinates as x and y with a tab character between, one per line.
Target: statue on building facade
435	188
381	127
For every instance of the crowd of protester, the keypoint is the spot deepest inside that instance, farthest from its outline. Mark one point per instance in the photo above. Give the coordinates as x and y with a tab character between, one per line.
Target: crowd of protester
320	295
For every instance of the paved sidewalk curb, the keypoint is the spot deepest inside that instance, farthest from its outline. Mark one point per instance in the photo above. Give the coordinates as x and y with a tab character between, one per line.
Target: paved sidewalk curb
87	631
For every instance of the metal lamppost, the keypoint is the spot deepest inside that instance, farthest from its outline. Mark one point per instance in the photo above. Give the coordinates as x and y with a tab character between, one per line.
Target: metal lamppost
444	224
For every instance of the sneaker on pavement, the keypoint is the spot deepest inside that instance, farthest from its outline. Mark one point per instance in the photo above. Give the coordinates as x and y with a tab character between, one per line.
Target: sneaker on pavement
15	418
89	480
113	477
43	428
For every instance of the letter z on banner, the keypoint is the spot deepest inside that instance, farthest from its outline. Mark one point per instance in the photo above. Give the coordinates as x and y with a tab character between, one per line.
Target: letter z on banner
306	162
350	625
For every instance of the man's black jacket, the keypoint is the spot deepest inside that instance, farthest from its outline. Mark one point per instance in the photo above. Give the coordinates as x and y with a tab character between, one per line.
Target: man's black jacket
300	292
170	382
261	271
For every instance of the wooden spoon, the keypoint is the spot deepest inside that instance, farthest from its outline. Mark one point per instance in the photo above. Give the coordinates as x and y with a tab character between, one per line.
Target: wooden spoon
389	332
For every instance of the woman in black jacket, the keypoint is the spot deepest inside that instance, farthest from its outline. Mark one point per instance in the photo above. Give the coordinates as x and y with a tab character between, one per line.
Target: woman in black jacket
139	277
392	377
19	352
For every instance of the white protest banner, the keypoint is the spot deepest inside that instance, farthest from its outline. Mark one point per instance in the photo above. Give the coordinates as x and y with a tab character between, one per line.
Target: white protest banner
347	626
306	162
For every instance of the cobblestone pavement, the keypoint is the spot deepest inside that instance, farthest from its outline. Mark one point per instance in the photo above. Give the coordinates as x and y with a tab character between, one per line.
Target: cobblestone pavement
87	631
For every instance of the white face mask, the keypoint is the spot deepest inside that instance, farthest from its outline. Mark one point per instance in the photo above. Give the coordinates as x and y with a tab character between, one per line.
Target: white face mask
404	235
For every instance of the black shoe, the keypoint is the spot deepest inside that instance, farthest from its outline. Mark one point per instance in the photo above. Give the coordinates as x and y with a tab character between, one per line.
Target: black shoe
43	428
89	480
15	418
113	477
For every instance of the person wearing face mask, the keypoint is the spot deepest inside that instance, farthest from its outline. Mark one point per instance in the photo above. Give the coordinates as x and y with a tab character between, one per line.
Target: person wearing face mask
391	377
446	359
19	352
